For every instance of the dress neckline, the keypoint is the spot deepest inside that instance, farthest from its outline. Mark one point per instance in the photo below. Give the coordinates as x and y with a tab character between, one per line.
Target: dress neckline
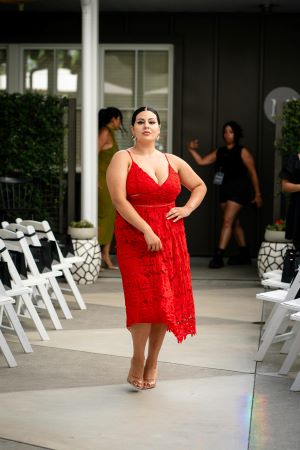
149	176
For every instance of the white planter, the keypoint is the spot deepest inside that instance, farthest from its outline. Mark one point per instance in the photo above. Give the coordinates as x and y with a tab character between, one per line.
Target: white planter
275	236
82	233
87	271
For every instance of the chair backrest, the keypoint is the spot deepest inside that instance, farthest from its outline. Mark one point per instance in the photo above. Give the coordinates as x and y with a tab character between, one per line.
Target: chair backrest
294	289
17	241
43	230
17	196
5	255
28	231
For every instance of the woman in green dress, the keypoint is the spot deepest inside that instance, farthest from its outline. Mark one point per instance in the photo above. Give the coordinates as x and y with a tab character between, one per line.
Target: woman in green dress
110	120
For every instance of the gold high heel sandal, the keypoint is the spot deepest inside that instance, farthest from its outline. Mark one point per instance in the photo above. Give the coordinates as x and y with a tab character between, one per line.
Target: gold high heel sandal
136	382
150	383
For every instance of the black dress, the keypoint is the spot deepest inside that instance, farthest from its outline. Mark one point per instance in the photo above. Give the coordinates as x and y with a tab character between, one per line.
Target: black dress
236	185
291	172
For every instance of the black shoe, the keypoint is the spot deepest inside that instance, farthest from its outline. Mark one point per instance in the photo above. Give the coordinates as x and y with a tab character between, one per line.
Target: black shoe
216	263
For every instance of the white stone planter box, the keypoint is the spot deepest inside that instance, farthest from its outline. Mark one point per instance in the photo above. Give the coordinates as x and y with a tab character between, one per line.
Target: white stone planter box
82	233
275	236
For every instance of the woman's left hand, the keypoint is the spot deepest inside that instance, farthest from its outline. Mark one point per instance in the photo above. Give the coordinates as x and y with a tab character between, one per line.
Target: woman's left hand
258	200
178	212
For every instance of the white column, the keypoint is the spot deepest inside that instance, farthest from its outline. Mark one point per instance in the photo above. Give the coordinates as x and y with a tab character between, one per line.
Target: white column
89	118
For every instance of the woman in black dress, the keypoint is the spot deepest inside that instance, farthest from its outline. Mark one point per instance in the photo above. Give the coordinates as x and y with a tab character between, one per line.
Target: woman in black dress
237	179
290	175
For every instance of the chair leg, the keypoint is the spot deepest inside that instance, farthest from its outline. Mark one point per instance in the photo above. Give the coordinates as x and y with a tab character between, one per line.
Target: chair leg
18	328
60	298
7	352
35	317
292	355
49	306
286	346
74	288
270	333
296	385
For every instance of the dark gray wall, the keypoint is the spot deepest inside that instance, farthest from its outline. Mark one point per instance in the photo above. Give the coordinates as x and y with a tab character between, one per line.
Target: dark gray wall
225	65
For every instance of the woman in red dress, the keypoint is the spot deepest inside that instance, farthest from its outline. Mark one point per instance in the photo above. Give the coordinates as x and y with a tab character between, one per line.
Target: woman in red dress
151	245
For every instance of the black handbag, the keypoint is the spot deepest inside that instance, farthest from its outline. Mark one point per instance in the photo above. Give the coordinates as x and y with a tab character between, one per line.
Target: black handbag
5	275
18	259
42	257
291	264
64	241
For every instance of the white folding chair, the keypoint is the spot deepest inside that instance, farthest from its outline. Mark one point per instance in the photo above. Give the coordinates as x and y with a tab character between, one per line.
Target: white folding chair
43	229
5	300
295	345
17	241
294	352
32	239
283	300
273	274
12	317
24	305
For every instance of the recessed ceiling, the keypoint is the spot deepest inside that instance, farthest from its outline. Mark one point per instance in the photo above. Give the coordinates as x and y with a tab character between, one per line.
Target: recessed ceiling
209	6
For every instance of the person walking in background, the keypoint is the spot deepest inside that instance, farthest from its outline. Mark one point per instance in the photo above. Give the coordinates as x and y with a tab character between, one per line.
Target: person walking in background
109	120
236	175
290	175
151	245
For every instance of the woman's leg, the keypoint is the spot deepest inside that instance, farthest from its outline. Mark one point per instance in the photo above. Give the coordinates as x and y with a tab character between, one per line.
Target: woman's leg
156	338
105	249
238	233
230	212
140	333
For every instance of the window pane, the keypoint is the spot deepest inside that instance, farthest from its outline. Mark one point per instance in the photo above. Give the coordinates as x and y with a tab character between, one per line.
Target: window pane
126	92
68	72
153	74
119	79
3	70
38	69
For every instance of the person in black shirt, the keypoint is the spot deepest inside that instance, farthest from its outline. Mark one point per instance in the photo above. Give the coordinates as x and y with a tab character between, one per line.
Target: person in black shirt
290	175
236	175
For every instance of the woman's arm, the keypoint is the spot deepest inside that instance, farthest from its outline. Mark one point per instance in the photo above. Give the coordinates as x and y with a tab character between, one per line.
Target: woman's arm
193	183
289	187
104	139
116	177
210	158
248	160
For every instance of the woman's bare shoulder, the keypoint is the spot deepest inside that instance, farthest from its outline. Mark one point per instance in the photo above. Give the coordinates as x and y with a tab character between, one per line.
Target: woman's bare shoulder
122	156
175	161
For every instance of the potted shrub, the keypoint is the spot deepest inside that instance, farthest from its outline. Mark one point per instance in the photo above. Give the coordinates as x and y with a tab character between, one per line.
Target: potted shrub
275	232
289	141
83	229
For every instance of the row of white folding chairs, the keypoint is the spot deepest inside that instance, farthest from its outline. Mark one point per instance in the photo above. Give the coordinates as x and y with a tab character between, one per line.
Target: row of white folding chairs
37	285
44	293
285	310
43	230
7	309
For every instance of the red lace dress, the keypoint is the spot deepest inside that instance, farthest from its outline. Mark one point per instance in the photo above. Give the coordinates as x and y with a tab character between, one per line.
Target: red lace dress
157	285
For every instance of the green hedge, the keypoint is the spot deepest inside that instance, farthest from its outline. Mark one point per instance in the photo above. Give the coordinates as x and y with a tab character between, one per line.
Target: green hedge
32	145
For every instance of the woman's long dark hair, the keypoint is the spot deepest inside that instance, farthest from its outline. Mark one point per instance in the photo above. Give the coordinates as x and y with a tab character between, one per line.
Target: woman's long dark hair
106	114
144	108
237	130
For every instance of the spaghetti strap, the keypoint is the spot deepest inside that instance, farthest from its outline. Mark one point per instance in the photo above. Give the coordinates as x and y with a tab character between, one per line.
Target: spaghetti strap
167	159
130	155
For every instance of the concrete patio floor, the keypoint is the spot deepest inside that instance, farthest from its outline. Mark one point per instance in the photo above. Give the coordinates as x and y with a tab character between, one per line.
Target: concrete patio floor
71	393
